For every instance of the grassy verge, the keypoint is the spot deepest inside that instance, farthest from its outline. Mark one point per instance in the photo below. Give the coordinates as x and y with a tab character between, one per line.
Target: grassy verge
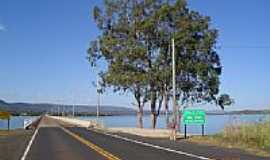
254	138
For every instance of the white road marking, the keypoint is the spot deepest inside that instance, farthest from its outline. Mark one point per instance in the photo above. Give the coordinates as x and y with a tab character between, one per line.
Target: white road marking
158	147
29	145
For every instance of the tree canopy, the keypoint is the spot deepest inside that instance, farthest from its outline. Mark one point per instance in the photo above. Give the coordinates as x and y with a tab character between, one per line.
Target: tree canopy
135	43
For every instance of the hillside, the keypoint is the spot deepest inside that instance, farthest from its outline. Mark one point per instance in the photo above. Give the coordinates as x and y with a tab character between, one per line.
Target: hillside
40	108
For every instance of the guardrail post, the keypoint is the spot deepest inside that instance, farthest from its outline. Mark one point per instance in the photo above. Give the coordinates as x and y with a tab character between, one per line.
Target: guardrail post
202	129
8	124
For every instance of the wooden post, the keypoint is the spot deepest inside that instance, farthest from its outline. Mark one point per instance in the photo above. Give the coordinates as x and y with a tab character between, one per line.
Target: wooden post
8	124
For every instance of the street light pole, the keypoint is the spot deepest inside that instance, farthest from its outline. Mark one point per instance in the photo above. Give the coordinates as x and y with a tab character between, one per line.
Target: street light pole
98	105
98	98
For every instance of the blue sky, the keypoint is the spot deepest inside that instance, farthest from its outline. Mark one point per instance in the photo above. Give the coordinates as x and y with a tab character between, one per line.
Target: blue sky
43	47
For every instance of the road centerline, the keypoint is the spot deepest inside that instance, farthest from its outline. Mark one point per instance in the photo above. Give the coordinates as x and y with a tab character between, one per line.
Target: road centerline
92	146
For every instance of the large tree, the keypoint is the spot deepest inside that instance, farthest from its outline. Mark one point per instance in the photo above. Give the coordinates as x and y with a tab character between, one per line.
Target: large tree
135	44
198	64
121	47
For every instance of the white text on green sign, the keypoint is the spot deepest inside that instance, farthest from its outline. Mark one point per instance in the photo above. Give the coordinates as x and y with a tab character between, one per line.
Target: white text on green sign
194	116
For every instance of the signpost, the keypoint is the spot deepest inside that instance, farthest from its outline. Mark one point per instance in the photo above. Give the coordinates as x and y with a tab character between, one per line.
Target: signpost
5	116
194	117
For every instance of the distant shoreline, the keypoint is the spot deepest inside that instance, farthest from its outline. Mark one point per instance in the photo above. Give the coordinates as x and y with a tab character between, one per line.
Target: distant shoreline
242	112
32	109
149	113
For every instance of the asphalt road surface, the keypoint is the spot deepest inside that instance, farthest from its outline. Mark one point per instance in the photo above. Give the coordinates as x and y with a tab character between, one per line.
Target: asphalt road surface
52	143
55	142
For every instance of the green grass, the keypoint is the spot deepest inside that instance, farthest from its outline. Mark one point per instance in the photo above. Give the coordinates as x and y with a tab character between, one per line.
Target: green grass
252	137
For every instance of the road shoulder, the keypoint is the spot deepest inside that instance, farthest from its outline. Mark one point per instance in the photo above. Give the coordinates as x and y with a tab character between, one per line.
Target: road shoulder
13	143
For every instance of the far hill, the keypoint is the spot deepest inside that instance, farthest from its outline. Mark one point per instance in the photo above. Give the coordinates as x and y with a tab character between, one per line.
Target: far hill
264	111
41	108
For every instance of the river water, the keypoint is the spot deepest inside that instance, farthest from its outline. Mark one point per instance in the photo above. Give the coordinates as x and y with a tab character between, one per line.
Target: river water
214	123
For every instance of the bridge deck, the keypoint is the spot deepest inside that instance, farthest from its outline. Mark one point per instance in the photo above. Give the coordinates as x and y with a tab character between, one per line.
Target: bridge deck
58	141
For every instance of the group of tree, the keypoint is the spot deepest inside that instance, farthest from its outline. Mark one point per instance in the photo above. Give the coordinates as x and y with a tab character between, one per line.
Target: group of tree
136	45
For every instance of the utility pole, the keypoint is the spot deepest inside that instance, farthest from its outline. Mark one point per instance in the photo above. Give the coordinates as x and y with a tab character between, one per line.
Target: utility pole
173	80
175	108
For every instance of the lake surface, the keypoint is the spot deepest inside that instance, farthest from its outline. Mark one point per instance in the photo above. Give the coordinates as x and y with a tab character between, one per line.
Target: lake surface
214	123
15	122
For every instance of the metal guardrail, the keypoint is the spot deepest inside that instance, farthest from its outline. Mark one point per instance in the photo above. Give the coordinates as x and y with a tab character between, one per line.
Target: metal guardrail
28	122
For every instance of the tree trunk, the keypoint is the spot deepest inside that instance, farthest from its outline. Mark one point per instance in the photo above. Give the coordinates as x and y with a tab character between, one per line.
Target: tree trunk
153	99
178	119
166	108
154	120
178	127
137	96
153	110
140	117
167	118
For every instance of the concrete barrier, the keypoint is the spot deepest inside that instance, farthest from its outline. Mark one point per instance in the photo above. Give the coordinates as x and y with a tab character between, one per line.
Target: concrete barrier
27	122
78	122
144	132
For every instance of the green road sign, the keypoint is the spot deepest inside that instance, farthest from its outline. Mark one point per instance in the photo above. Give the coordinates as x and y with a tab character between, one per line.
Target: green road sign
194	116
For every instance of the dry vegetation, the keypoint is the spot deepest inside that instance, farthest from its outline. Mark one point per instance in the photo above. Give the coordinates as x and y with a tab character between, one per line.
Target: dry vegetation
252	137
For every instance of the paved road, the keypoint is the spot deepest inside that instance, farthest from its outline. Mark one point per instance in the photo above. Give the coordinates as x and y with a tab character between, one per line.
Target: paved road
214	152
128	150
125	149
54	142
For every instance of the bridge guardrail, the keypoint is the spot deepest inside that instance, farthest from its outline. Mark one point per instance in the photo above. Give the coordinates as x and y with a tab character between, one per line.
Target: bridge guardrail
28	122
